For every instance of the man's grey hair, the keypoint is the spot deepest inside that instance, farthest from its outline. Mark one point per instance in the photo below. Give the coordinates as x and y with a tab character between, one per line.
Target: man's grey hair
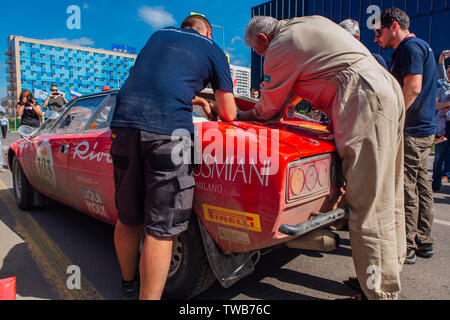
351	26
257	25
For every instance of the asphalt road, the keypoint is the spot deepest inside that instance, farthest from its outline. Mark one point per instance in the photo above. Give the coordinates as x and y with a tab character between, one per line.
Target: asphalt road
38	246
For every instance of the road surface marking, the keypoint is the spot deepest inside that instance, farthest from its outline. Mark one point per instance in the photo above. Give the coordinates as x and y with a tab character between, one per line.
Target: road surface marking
50	259
445	223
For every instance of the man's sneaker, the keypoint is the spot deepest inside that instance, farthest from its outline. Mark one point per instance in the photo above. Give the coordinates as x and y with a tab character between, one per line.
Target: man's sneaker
426	252
440	140
410	257
129	289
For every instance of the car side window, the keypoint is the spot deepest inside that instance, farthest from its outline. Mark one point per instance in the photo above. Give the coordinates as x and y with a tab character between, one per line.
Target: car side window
102	119
76	118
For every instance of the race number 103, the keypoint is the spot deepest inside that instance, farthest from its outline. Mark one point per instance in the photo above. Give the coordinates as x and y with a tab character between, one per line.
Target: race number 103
244	309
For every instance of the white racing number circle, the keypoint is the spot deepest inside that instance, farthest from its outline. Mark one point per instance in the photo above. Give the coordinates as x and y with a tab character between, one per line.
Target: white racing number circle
44	163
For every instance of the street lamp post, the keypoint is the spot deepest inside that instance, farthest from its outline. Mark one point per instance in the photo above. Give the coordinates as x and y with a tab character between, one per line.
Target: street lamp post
223	35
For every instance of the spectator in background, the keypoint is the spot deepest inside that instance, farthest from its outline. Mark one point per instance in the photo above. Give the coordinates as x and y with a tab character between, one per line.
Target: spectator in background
414	67
55	100
4	122
352	26
254	93
441	166
2	162
106	88
28	109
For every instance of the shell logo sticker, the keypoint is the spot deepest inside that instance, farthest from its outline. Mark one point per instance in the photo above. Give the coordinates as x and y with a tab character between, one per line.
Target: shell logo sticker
238	219
44	163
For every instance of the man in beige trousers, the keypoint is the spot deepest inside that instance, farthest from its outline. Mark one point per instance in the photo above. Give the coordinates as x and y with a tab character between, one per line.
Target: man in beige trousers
324	64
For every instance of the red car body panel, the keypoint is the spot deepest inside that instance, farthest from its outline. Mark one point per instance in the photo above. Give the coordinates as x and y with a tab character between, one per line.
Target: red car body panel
240	206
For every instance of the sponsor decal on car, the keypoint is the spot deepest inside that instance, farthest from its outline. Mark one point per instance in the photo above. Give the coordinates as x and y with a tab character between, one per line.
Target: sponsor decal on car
82	152
94	202
228	217
44	163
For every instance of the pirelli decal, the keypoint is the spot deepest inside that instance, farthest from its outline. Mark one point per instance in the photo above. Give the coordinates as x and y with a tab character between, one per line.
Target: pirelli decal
243	220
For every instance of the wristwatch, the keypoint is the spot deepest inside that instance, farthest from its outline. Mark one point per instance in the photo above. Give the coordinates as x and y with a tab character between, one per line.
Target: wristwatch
238	113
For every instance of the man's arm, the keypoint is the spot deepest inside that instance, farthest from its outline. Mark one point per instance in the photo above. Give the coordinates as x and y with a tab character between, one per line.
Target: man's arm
226	104
412	86
45	104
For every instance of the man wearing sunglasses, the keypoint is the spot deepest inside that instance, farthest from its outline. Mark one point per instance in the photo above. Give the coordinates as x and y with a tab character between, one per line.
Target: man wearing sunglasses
414	66
55	100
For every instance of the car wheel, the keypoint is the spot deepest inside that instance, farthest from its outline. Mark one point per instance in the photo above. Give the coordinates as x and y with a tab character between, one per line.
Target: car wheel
23	191
190	273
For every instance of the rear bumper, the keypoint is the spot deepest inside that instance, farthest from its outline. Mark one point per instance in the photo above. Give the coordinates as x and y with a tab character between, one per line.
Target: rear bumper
314	223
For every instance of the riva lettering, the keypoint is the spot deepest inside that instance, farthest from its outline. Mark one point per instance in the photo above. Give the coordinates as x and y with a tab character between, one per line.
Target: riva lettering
83	151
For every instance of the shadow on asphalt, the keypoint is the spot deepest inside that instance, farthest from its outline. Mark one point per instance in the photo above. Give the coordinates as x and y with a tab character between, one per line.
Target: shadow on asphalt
271	266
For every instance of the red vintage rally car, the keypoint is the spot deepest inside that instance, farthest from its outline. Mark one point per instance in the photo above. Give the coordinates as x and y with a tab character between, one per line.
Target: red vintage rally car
257	186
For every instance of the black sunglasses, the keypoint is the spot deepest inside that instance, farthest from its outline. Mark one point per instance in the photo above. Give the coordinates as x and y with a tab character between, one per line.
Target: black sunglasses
378	31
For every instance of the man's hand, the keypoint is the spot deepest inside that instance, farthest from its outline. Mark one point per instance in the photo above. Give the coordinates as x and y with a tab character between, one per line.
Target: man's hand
444	55
247	116
209	107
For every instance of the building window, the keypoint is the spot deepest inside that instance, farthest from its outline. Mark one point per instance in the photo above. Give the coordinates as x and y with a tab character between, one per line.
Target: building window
33	55
42	55
70	59
79	60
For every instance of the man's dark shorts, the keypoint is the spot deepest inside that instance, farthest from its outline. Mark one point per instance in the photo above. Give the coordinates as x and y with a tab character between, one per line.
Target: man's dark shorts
150	188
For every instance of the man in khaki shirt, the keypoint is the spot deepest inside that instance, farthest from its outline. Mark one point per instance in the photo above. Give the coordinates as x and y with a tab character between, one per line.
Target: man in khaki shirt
324	64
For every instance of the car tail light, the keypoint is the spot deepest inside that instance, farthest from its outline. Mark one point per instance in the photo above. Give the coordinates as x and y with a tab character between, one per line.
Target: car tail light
309	177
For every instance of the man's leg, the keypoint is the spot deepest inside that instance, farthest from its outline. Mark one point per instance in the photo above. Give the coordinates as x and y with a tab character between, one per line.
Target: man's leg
154	266
438	165
426	200
412	160
127	241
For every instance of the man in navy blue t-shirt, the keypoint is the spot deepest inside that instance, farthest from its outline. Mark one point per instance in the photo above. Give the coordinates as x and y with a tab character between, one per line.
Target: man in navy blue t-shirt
414	66
153	107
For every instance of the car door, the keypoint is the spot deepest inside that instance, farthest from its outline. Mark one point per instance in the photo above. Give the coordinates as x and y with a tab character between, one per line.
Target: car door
54	165
91	169
37	159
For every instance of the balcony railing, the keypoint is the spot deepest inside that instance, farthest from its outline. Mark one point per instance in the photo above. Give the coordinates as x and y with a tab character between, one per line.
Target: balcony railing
9	53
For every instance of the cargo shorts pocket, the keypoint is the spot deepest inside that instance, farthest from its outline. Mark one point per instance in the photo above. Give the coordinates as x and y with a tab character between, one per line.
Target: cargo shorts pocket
119	149
184	200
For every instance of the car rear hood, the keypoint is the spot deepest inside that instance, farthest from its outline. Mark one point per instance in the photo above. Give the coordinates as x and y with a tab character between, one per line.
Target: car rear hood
308	137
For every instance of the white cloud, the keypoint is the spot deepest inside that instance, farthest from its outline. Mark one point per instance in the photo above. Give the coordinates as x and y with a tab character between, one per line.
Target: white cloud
156	17
84	41
235	38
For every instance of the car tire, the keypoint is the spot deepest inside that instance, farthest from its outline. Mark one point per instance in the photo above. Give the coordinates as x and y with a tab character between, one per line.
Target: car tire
23	191
190	273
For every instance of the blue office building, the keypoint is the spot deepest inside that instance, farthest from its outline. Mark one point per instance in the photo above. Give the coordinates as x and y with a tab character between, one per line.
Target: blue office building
35	65
429	21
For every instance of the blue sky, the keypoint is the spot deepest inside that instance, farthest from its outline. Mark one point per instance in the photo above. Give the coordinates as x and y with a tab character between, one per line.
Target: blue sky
131	23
